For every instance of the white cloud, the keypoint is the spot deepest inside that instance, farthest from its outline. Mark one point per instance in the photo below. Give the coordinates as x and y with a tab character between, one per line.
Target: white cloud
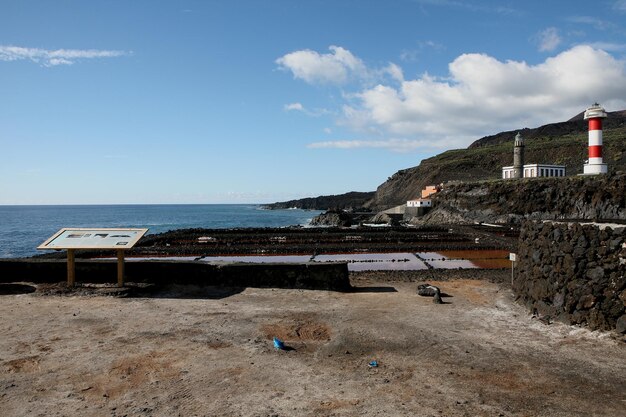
50	58
431	45
549	39
479	96
608	46
395	145
483	95
333	68
294	106
395	72
411	55
299	107
339	67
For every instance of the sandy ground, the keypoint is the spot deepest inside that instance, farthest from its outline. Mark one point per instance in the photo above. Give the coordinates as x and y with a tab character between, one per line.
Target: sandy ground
209	352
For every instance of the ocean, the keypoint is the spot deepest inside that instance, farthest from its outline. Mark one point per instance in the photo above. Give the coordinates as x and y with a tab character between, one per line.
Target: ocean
23	228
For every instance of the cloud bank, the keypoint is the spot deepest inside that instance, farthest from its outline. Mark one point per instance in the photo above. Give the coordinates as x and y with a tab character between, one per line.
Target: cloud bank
395	145
51	58
481	95
335	67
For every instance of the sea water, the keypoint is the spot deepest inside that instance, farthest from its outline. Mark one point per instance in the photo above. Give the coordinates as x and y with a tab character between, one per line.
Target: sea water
23	228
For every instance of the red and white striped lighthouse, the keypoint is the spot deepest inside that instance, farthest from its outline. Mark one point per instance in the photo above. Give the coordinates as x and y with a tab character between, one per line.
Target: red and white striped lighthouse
594	165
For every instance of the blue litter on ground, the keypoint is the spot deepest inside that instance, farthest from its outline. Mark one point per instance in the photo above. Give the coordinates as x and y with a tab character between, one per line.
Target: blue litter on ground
373	364
278	344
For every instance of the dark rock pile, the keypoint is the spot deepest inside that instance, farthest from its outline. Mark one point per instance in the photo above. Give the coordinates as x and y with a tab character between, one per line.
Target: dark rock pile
335	218
574	273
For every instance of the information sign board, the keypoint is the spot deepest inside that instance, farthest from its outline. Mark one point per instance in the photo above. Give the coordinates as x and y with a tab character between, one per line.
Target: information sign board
81	238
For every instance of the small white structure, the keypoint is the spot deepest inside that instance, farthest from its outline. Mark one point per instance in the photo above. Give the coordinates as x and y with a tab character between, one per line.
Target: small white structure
420	202
536	170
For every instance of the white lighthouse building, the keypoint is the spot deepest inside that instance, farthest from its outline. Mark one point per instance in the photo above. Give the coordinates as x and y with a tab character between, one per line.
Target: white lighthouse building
522	170
595	165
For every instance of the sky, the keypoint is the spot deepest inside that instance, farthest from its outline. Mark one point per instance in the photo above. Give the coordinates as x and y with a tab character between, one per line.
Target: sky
255	101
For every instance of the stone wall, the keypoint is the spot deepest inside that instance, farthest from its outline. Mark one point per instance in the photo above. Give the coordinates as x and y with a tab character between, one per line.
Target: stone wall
411	212
318	276
574	272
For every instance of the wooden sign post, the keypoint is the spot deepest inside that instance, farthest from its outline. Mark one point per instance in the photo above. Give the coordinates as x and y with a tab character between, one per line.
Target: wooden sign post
81	238
71	268
120	268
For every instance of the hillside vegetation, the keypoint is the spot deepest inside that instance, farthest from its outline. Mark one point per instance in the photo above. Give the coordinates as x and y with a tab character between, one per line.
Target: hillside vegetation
558	143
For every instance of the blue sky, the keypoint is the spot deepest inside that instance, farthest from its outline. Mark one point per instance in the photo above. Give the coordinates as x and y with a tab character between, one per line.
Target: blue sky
260	101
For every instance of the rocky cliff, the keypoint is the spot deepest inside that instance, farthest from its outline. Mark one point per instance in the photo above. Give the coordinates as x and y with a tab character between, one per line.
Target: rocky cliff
601	197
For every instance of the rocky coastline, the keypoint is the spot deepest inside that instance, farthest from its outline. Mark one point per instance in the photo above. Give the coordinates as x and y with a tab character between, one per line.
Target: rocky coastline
348	201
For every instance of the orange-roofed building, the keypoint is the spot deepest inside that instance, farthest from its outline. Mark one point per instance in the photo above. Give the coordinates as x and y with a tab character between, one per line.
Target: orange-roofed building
429	190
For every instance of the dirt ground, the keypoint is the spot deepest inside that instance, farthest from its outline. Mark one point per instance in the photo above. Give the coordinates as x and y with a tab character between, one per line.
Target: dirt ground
209	352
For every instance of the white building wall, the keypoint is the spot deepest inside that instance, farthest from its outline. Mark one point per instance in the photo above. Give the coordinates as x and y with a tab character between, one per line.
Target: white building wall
419	203
536	170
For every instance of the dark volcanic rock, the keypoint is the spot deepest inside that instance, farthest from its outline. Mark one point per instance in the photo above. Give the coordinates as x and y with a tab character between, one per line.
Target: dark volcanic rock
437	298
587	286
427	290
384	218
585	197
332	218
621	324
347	201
